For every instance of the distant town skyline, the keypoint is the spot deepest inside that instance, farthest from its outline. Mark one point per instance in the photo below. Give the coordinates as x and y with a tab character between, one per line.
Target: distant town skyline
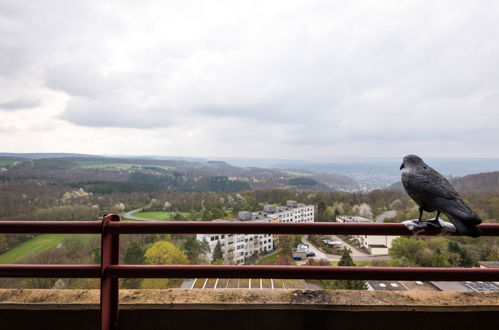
313	80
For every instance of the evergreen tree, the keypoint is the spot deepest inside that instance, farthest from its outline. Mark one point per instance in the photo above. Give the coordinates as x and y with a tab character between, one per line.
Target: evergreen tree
321	211
192	248
134	254
346	260
204	249
217	252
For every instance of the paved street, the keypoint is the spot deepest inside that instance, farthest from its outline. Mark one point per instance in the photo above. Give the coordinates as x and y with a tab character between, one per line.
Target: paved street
356	254
386	215
128	215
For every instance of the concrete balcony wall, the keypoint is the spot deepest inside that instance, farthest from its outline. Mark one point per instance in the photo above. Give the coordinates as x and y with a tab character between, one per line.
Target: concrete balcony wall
252	309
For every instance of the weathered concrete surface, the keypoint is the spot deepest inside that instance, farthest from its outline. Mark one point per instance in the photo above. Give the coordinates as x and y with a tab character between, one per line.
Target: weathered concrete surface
324	299
252	309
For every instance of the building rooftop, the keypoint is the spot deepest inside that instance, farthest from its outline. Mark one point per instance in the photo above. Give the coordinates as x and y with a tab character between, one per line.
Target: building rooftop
377	245
419	286
450	286
386	285
482	286
489	264
243	283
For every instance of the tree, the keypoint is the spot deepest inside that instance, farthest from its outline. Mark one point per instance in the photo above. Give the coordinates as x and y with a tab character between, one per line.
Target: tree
346	260
286	243
133	255
163	253
205	249
410	252
321	211
217	252
217	213
192	248
3	243
465	259
207	216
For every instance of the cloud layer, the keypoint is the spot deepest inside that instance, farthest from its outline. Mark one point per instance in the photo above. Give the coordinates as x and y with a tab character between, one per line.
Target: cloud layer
263	79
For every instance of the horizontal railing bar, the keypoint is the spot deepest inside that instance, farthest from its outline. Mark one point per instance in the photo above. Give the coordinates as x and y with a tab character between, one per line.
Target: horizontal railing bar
198	227
66	271
51	227
214	271
304	272
320	228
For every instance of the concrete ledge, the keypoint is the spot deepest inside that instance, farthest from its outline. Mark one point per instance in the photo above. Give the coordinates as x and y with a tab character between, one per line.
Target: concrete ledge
251	299
252	309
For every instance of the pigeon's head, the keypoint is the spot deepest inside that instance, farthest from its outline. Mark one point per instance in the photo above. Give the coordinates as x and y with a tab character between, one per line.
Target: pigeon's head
412	161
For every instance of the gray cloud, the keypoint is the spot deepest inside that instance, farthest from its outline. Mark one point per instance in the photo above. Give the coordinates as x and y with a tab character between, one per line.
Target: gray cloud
312	75
19	104
112	113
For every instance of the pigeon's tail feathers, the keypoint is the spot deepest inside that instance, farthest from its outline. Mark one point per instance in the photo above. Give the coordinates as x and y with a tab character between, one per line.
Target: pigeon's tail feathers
465	222
468	229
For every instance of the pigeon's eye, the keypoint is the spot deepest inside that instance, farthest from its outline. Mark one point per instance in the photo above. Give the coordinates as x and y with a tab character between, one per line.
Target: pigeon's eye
425	167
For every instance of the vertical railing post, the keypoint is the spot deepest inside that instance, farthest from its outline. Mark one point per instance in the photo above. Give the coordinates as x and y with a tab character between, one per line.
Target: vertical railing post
109	290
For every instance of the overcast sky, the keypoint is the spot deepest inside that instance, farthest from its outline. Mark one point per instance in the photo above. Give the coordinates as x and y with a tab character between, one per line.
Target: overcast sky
267	79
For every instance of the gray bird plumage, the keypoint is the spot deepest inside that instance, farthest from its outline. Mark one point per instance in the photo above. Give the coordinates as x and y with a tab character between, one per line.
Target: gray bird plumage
432	192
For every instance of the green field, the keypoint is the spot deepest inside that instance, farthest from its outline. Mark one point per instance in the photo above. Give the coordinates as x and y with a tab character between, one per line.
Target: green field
159	215
93	164
168	216
297	173
6	162
269	259
31	247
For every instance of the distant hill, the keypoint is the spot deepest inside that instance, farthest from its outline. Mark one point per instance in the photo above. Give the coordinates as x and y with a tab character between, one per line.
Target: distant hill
477	182
380	173
45	155
106	174
488	181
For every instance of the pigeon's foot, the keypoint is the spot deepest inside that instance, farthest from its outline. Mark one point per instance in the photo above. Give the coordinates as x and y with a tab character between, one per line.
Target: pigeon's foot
434	223
414	225
418	227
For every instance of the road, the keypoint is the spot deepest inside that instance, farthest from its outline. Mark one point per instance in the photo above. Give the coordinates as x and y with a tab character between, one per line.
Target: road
386	215
128	215
356	254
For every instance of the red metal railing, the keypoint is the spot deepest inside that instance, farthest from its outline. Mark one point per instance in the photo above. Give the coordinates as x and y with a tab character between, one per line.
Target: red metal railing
110	271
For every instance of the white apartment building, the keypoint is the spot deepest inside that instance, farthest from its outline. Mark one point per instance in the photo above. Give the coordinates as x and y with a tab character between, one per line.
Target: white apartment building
374	244
238	247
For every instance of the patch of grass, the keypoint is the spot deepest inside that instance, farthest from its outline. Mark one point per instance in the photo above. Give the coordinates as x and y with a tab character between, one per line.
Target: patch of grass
297	173
159	215
269	259
94	164
33	246
6	162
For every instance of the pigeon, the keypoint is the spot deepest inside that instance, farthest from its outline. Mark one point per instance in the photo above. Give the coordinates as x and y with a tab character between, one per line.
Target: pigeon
432	192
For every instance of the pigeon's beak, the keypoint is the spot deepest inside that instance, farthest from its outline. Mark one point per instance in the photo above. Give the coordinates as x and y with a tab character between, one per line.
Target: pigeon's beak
402	166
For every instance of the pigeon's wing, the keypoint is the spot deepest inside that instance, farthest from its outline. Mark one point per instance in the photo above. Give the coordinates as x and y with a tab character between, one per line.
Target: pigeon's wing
424	185
445	199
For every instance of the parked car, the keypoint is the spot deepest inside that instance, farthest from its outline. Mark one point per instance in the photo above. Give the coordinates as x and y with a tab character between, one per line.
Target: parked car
296	258
310	254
